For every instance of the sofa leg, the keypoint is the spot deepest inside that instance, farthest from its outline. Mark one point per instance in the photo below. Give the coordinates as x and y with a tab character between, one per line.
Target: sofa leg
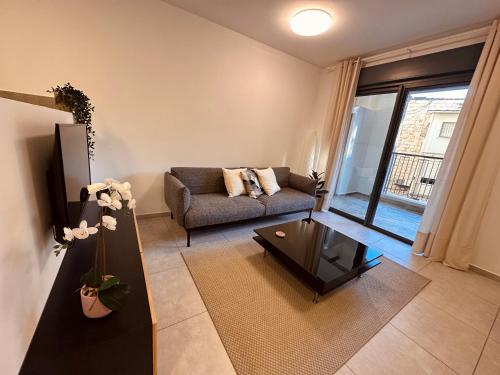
171	216
188	232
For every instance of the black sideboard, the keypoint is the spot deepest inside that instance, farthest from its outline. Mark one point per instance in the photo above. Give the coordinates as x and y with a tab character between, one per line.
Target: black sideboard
124	342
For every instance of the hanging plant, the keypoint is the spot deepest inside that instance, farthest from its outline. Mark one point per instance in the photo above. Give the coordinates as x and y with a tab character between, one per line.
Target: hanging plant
75	101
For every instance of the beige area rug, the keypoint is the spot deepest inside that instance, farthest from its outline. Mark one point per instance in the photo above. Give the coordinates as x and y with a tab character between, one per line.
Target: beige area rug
266	318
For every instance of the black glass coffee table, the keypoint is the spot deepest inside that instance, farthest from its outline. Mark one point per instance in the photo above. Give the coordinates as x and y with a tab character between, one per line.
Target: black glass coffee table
320	256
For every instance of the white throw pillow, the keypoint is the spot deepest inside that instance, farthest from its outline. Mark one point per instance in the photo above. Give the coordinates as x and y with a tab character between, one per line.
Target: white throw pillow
267	180
233	181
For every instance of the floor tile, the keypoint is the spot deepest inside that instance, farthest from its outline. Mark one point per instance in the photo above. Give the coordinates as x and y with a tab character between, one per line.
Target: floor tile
411	261
239	231
455	343
154	230
344	370
332	220
159	257
495	331
192	347
401	253
200	237
461	304
359	233
174	226
152	222
472	282
394	246
391	352
175	296
489	364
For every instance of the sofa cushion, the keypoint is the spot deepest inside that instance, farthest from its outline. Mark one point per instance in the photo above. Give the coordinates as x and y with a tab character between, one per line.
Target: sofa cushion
200	180
234	181
267	179
251	183
282	174
287	200
210	209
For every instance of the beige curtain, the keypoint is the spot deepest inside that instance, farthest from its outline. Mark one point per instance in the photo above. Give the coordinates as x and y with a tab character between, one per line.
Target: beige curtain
453	214
344	90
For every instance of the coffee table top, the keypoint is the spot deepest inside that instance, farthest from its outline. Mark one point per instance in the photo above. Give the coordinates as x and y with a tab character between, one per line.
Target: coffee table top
320	251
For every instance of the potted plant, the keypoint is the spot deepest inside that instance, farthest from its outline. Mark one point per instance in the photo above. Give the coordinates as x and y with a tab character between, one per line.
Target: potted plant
320	184
75	101
101	293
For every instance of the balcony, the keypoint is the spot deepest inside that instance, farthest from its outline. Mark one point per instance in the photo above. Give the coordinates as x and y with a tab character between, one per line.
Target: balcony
406	190
411	176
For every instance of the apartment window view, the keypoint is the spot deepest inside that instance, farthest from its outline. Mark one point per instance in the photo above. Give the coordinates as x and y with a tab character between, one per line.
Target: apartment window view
423	135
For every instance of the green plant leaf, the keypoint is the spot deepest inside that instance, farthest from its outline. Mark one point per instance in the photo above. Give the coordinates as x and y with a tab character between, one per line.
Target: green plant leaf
112	281
114	298
90	280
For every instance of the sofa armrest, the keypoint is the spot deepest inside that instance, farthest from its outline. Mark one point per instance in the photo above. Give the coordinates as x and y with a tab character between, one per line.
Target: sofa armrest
177	197
302	183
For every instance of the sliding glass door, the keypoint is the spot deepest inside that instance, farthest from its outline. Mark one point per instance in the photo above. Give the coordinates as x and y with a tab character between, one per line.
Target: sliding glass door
424	133
392	155
363	149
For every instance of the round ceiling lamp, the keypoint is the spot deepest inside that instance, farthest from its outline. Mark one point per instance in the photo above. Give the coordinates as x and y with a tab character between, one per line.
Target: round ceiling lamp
310	22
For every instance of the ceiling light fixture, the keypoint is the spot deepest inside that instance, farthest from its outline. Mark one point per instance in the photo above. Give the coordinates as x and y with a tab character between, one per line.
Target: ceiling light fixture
310	22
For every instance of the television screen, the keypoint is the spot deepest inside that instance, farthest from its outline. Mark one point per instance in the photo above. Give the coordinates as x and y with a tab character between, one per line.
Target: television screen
68	176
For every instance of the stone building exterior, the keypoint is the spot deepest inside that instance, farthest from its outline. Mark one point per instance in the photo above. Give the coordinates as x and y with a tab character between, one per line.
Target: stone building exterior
423	137
417	119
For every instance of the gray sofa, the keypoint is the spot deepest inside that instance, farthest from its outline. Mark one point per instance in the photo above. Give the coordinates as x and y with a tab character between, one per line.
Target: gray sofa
197	198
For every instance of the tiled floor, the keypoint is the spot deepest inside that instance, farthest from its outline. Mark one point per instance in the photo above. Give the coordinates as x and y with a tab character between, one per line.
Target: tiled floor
389	216
451	327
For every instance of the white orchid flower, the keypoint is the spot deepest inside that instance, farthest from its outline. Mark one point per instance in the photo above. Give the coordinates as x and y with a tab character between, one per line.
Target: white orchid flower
106	201
115	196
108	222
109	181
126	195
68	234
123	189
131	204
94	188
82	232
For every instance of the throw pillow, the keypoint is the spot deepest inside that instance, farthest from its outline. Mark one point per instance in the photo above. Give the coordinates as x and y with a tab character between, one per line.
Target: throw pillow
251	183
267	180
233	181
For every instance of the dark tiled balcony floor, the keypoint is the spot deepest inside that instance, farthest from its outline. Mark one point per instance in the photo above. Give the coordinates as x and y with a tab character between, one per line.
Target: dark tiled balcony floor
389	216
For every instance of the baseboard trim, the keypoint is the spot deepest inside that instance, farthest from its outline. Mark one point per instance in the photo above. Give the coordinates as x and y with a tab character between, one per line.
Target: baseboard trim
484	272
153	215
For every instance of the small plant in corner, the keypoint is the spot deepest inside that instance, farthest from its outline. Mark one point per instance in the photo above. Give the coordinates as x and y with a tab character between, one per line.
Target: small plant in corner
75	101
101	293
320	182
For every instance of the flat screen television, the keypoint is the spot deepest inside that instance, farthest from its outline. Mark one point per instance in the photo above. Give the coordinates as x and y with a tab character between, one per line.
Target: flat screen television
68	177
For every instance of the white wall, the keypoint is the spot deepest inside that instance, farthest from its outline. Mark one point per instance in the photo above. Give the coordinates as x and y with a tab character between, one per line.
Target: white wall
311	144
487	246
433	142
170	88
27	265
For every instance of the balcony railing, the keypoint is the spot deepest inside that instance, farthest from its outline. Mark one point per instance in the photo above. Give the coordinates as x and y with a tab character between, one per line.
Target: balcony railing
412	176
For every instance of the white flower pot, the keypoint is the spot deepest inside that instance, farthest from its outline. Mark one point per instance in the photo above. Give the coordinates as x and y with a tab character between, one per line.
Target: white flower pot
92	307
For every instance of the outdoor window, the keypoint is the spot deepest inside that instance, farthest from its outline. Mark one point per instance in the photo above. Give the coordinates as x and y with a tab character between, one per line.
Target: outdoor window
447	129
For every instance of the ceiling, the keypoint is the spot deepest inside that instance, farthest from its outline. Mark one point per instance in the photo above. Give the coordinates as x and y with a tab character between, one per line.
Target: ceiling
359	26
